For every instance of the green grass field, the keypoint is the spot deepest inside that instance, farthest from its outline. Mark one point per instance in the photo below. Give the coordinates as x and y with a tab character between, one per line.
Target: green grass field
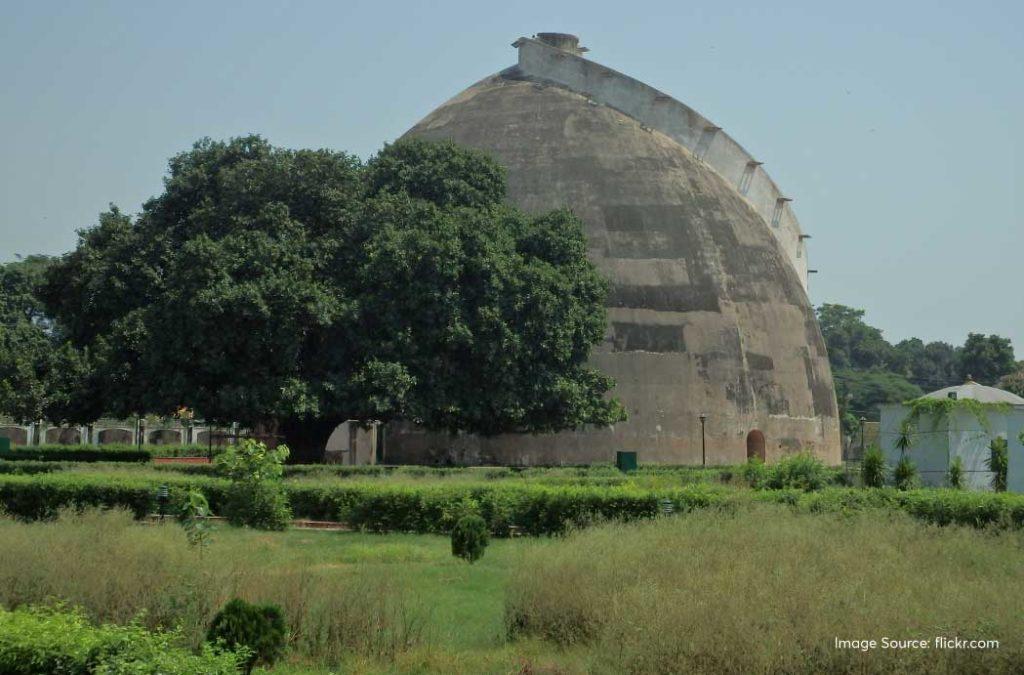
761	588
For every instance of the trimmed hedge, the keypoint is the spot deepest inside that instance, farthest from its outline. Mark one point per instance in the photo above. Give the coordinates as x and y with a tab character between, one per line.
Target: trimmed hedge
37	640
535	509
29	467
113	452
76	453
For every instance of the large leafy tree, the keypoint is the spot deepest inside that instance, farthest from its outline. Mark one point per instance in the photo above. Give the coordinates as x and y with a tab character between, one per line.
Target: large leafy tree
302	288
986	358
36	365
851	342
860	393
931	365
1014	382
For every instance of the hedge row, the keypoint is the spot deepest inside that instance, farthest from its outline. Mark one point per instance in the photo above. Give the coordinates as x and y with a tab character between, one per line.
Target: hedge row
532	508
74	453
37	640
113	452
29	467
933	505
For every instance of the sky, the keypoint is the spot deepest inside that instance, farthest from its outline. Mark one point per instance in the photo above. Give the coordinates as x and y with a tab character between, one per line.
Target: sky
897	127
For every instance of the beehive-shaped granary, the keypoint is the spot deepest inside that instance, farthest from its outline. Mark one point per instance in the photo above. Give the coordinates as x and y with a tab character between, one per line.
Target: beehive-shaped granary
708	311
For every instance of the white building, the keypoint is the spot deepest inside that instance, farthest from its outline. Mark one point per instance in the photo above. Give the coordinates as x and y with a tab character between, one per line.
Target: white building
937	442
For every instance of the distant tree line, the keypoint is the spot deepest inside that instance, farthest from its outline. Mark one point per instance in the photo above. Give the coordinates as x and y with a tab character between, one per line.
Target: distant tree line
870	371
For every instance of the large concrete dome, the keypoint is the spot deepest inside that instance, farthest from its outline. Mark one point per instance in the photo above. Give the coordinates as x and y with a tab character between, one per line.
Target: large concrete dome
708	312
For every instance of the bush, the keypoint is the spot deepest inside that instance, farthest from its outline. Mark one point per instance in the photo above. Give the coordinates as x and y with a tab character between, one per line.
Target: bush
872	468
802	471
194	516
263	506
998	463
37	640
259	629
256	497
904	474
955	475
469	538
755	473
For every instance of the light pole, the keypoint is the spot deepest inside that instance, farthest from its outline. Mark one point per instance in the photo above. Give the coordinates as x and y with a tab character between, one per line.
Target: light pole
863	420
703	443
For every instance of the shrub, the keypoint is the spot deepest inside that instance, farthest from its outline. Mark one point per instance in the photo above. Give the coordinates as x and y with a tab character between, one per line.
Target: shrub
38	640
259	629
256	497
955	475
904	474
252	461
998	463
469	538
872	467
802	471
194	516
755	473
262	505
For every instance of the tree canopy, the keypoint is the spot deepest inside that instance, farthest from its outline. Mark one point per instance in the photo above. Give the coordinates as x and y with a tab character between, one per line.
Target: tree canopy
869	371
35	364
986	358
306	288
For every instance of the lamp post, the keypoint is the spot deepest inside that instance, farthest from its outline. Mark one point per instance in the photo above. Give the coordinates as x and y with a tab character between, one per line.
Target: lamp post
703	443
862	420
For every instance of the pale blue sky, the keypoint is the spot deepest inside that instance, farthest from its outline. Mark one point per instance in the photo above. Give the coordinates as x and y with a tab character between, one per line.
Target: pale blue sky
897	126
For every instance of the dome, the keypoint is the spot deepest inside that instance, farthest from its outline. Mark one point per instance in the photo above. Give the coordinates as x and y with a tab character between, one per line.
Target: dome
979	392
708	313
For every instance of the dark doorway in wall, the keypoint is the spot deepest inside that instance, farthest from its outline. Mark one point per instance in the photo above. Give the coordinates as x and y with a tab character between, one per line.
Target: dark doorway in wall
755	445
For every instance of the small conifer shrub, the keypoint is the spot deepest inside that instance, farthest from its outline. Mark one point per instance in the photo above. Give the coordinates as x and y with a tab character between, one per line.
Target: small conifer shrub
259	629
469	538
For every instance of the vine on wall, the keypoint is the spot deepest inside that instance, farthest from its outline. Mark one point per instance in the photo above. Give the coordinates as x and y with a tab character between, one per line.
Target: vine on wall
938	410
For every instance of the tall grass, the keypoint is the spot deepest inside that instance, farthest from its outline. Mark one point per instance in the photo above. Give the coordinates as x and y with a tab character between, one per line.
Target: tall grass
116	569
764	589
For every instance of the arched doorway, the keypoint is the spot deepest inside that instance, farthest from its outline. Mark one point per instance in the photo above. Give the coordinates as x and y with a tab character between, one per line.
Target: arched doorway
755	445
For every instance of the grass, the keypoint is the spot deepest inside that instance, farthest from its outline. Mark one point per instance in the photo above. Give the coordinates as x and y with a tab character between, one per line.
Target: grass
765	589
755	588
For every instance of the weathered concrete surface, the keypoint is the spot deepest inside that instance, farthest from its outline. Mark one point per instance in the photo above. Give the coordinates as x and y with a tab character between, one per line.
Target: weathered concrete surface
707	312
654	109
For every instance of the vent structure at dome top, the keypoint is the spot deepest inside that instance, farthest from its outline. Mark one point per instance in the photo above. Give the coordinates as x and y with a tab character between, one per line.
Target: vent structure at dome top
708	311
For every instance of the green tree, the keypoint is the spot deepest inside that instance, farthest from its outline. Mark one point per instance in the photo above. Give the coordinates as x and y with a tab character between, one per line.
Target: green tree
302	288
862	392
1014	382
986	358
470	538
930	365
851	343
35	363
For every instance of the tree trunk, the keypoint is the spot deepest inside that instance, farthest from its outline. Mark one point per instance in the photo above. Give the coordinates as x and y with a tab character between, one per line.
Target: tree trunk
307	438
